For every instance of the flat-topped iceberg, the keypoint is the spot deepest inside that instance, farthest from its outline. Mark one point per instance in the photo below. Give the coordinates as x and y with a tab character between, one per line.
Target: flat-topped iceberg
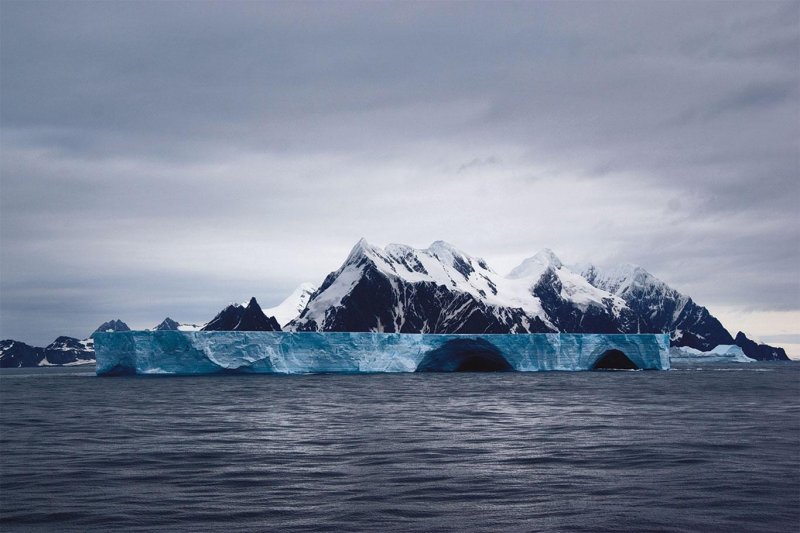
211	352
724	353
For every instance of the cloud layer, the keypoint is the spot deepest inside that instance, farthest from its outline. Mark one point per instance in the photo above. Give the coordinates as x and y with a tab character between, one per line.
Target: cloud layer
166	158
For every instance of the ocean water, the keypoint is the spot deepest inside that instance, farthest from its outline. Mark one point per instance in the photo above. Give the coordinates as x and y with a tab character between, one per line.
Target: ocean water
716	449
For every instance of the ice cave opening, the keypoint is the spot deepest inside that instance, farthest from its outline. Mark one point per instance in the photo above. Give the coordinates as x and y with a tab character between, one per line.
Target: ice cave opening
614	360
465	355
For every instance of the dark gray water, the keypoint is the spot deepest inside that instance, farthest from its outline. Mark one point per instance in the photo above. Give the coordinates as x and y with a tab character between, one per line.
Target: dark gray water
711	450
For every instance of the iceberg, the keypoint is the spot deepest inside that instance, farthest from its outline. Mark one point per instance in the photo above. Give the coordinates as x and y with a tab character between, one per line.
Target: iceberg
724	353
282	352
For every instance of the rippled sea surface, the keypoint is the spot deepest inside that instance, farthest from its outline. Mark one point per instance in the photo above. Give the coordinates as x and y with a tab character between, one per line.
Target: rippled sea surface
686	450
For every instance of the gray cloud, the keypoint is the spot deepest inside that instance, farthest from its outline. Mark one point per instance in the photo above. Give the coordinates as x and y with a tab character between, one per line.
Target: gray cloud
168	157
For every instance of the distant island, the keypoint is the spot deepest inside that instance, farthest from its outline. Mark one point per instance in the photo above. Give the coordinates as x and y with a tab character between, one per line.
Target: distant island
441	289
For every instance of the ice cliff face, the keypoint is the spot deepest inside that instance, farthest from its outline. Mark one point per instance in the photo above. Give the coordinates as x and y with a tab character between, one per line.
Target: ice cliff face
212	352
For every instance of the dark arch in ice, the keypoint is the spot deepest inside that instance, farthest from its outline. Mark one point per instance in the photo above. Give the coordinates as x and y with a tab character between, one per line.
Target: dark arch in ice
614	360
465	355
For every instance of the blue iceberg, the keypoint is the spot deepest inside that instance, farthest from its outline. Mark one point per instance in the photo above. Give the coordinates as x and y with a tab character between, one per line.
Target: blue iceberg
724	353
278	352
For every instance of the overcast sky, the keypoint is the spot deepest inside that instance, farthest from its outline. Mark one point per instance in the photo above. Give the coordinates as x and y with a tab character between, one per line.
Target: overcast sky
168	158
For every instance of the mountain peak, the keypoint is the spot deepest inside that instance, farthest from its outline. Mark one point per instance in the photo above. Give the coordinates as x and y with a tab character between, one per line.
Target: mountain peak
632	270
535	266
546	256
112	325
167	325
442	250
254	319
361	249
621	278
362	246
398	249
238	318
444	246
294	304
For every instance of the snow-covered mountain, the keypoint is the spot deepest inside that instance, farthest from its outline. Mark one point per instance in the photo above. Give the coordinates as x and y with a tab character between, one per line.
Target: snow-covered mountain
62	351
293	305
441	289
230	318
660	308
249	316
406	290
69	351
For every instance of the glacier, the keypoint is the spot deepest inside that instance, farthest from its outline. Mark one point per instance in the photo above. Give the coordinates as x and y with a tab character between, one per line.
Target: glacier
281	352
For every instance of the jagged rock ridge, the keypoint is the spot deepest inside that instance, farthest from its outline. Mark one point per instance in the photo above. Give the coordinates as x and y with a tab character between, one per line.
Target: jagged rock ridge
167	325
761	352
656	307
236	317
112	325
